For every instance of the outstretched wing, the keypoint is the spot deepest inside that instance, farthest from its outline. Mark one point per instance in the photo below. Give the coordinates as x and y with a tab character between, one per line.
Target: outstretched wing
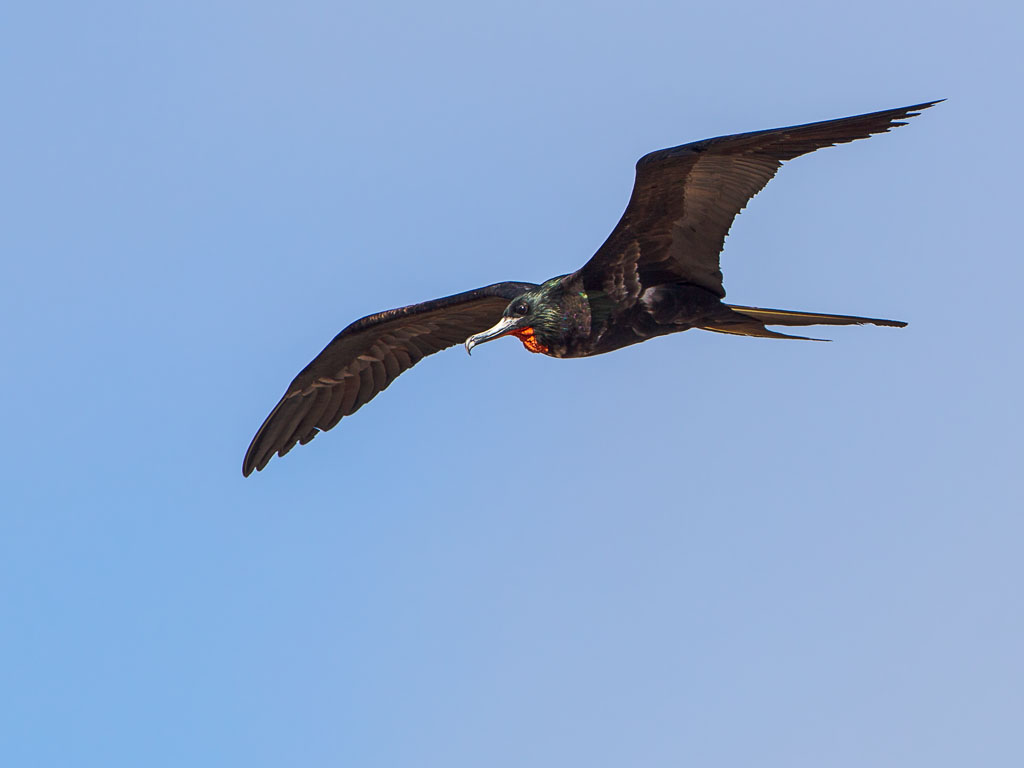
365	358
685	199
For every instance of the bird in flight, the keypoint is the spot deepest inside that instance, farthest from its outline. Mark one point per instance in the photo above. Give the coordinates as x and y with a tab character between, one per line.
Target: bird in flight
657	273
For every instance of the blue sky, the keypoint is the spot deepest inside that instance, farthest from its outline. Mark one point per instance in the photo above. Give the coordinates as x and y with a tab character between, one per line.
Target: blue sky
702	550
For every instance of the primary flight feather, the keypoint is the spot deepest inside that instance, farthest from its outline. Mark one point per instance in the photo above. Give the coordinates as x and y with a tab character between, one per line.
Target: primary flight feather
657	273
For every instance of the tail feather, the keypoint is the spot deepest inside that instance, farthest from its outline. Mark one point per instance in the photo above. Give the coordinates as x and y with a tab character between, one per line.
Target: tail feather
786	317
751	321
753	329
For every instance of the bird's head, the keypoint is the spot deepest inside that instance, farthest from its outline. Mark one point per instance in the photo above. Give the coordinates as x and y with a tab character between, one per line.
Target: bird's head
538	318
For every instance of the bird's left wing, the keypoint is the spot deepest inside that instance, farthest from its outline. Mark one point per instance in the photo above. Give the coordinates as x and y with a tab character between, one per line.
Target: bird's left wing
365	358
685	199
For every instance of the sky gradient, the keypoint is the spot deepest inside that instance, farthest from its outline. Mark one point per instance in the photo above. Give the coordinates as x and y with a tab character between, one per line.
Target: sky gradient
701	550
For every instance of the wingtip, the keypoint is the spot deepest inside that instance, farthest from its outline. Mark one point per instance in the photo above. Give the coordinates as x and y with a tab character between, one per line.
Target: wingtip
249	464
901	115
916	109
257	462
256	458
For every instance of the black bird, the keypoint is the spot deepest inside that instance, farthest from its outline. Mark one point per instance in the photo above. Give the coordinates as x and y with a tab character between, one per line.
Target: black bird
657	273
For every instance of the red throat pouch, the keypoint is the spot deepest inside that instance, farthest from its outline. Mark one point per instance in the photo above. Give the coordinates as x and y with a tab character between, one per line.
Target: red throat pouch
529	339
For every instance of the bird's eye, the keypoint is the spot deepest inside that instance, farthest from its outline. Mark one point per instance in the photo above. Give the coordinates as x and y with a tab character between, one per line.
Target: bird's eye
521	308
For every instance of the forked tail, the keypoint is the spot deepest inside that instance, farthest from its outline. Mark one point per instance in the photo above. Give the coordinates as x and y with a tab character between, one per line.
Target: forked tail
751	321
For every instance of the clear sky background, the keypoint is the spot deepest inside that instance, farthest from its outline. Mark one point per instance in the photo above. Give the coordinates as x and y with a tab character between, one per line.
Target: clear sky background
703	550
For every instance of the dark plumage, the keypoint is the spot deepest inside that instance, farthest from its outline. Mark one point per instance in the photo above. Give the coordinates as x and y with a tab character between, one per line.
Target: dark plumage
657	273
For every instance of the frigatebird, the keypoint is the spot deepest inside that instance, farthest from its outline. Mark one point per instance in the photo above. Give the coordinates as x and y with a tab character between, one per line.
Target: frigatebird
657	273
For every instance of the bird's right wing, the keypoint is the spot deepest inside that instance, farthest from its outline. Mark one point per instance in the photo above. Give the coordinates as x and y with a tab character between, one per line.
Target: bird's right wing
685	199
365	358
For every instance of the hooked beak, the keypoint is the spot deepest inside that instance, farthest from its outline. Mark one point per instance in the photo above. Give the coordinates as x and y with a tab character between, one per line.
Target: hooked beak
504	326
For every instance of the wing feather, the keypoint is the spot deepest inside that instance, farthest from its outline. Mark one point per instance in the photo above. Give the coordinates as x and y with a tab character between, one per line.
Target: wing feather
365	358
320	400
685	198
